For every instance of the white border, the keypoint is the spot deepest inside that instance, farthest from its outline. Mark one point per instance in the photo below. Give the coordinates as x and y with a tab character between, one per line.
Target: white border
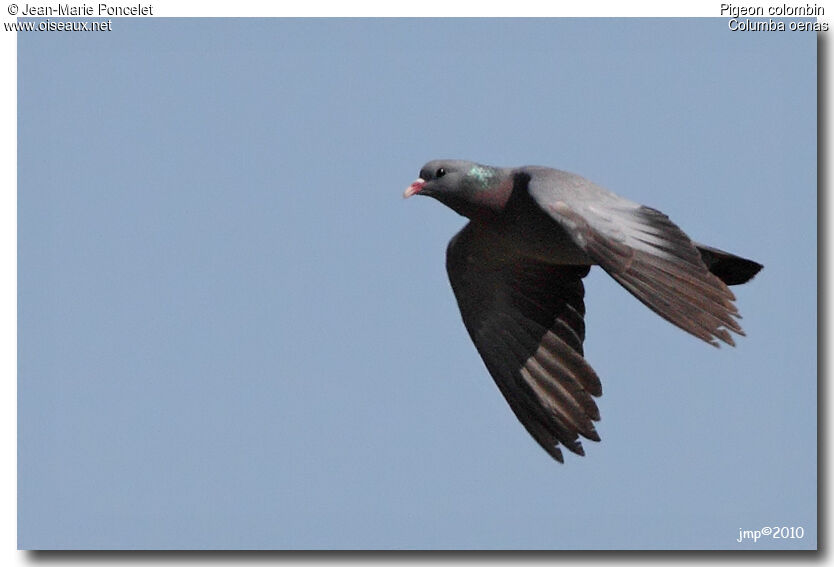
214	8
430	8
8	297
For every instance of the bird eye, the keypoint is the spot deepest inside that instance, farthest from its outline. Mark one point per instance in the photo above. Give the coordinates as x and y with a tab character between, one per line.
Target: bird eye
440	173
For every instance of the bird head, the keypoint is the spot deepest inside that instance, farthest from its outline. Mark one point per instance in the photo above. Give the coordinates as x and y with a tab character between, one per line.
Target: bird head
466	187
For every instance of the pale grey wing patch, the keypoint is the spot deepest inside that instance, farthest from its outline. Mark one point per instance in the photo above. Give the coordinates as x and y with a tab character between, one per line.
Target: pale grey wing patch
502	363
526	320
556	386
537	407
657	262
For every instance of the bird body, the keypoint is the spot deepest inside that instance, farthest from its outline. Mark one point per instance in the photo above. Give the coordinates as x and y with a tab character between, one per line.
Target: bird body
516	270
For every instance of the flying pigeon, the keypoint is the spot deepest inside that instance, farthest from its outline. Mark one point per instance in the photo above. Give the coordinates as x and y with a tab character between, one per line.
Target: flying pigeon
516	270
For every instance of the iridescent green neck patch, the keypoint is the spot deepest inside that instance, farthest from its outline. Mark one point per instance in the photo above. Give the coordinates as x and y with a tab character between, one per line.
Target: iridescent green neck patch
482	174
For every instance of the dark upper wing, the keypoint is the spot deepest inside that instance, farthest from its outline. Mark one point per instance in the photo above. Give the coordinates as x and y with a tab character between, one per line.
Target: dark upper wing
526	320
643	250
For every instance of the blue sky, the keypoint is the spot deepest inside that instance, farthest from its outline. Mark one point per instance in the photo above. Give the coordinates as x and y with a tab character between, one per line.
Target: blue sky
233	332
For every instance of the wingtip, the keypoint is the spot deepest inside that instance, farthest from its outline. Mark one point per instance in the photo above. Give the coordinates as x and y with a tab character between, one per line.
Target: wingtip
556	453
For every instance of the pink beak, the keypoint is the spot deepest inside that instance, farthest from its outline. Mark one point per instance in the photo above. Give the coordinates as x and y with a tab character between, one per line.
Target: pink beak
414	188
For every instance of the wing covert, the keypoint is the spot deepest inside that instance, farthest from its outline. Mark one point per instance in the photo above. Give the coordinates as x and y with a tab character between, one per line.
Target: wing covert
643	250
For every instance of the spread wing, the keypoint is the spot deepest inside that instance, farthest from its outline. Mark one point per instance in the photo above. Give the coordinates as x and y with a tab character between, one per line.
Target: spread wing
643	250
526	320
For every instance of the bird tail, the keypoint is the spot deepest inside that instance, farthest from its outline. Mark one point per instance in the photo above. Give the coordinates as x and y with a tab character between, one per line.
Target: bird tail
731	269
